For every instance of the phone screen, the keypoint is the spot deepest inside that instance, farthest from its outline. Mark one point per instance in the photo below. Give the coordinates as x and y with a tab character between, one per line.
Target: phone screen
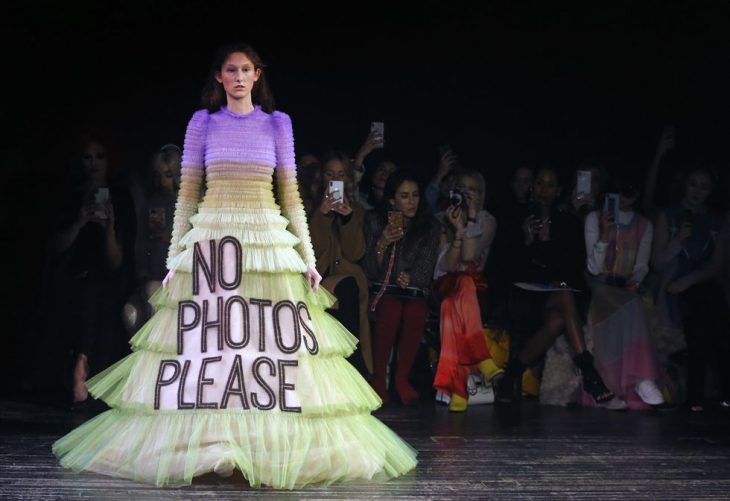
379	129
395	218
337	189
583	183
612	205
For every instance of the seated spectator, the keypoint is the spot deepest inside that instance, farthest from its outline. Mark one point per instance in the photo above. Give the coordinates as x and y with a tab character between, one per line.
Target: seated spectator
550	252
618	252
402	245
371	199
688	252
94	242
336	227
154	223
463	250
307	179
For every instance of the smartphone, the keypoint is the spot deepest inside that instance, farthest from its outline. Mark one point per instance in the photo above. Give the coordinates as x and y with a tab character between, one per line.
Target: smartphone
379	129
101	198
583	184
395	218
611	205
337	190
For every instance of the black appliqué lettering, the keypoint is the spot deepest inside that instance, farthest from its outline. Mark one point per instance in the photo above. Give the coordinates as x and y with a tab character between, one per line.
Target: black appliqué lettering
272	372
203	381
214	324
182	327
261	303
314	348
164	382
229	286
278	334
246	325
284	386
181	403
235	374
209	270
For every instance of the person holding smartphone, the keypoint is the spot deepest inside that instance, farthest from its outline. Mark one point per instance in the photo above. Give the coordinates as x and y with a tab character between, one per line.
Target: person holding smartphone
688	253
618	244
467	236
549	250
336	226
94	247
402	245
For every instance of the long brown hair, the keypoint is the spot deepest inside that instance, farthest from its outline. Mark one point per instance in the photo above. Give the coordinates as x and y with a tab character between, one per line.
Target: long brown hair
214	96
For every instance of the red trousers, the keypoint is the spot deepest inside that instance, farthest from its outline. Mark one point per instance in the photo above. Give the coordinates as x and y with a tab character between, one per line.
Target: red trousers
462	342
391	315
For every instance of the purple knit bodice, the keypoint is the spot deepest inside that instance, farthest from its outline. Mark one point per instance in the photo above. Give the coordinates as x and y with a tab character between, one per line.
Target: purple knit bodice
224	136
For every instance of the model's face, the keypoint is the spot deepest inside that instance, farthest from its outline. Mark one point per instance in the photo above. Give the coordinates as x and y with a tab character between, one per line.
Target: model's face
333	171
697	189
95	163
521	183
237	75
407	198
545	188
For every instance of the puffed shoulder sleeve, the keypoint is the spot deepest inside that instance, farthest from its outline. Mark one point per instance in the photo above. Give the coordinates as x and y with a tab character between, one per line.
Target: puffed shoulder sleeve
286	178
191	182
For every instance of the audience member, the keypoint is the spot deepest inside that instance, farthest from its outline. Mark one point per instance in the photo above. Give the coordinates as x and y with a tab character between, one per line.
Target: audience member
618	246
468	232
402	245
551	253
336	228
689	255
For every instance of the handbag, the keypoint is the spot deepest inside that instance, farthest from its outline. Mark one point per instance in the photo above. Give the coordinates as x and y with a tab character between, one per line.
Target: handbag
480	391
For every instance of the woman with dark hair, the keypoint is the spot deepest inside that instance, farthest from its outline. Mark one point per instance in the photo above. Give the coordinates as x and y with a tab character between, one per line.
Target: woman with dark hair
241	367
550	252
689	255
402	244
336	224
94	245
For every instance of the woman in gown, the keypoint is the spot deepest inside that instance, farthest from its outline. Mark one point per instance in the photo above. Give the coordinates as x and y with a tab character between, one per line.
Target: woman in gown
240	367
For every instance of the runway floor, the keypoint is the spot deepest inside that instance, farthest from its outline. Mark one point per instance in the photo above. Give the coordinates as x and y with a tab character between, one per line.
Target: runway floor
525	452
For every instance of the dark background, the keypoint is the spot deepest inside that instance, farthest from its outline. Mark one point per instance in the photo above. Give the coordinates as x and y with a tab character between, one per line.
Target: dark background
503	83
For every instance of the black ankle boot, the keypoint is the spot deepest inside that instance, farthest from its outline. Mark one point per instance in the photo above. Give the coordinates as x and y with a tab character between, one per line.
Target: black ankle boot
509	386
592	381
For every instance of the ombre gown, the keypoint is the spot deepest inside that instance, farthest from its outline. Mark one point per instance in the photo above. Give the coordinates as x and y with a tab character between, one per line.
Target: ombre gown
240	367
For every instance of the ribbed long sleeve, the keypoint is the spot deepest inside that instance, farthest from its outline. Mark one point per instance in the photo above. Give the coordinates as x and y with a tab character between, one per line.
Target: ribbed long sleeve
193	170
286	178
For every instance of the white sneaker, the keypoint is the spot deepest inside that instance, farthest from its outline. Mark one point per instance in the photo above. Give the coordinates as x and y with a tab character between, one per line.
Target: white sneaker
615	404
649	392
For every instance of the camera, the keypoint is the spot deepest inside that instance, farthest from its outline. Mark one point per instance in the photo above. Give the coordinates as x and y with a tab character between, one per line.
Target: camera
457	199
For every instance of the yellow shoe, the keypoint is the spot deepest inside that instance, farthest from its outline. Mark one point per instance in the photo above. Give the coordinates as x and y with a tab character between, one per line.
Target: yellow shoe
490	369
458	403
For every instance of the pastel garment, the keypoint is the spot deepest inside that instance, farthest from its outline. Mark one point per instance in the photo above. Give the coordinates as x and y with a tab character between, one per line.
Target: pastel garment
240	367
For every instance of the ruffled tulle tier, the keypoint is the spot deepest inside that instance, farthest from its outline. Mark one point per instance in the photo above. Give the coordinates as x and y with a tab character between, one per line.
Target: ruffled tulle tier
282	450
329	437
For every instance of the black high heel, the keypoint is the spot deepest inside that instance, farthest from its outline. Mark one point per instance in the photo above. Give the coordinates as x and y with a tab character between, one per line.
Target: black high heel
509	388
592	381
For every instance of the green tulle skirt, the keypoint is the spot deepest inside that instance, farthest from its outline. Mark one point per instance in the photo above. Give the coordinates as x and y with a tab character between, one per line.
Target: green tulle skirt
171	419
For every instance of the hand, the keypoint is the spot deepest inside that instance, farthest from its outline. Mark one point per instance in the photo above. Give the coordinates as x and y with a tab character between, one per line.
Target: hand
604	222
391	234
313	277
446	164
543	231
583	199
85	214
168	277
678	286
403	280
666	141
344	208
530	228
372	142
456	218
328	203
685	231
